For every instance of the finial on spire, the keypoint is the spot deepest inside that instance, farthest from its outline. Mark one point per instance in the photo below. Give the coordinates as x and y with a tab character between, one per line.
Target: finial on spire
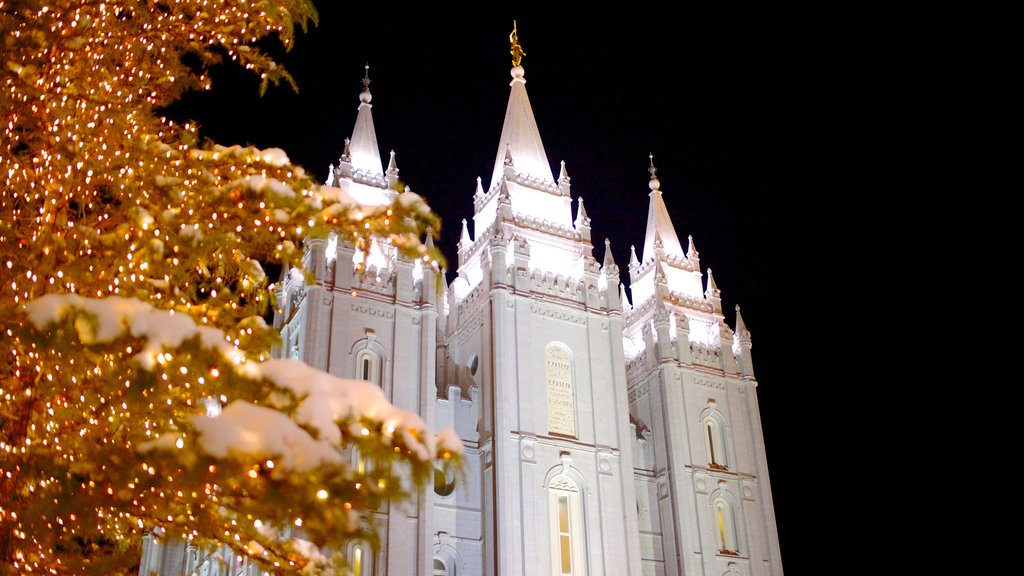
632	256
365	96
653	171
479	187
516	50
464	239
563	176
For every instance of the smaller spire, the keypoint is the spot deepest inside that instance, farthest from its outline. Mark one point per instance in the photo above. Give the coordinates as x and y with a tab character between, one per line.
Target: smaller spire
464	240
622	298
392	165
479	187
712	290
713	294
392	172
691	250
330	176
609	260
346	154
741	327
581	214
430	238
563	176
508	155
632	256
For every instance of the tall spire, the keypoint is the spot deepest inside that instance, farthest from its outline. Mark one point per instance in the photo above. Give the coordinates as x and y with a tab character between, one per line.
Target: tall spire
363	147
519	134
581	214
659	224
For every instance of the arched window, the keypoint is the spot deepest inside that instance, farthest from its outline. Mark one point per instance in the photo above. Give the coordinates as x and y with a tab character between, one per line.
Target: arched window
360	558
714	439
567	540
725	527
368	366
558	373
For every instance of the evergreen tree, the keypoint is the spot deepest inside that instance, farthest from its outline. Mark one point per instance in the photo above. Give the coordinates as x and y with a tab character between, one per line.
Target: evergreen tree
137	393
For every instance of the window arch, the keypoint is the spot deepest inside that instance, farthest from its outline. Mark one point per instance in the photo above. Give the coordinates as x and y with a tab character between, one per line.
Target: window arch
558	374
368	366
568	553
714	440
725	526
360	558
441	568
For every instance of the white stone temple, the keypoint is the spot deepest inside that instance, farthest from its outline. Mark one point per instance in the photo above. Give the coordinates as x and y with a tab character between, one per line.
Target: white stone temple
605	434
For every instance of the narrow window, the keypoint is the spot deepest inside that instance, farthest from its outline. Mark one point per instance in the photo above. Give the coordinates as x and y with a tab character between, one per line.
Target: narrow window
725	527
715	442
368	366
568	554
361	558
564	535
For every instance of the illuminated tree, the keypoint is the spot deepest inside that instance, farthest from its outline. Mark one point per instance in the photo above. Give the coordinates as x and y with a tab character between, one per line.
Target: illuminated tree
137	393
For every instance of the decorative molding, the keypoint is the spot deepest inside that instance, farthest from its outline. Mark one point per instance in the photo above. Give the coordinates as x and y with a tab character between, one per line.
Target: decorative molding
700	483
604	466
580	319
563	483
641	389
710	383
372	311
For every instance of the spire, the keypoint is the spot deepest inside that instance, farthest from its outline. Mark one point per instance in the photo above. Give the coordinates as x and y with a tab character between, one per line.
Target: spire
691	250
464	240
479	187
609	260
330	176
581	214
392	173
713	294
429	242
741	327
363	147
563	175
519	132
659	224
633	262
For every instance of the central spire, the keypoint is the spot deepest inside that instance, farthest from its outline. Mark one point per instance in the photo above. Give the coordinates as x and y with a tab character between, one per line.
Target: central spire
659	224
363	147
520	137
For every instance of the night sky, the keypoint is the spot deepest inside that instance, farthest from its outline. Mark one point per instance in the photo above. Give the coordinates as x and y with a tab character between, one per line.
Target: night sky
730	104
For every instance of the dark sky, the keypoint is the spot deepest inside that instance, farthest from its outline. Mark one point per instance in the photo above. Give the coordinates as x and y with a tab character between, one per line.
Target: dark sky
732	104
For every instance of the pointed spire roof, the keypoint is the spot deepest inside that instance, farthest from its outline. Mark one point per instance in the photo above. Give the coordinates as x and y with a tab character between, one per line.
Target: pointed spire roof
581	214
392	165
563	174
363	147
519	134
659	223
632	256
464	240
741	327
712	290
609	260
691	249
479	187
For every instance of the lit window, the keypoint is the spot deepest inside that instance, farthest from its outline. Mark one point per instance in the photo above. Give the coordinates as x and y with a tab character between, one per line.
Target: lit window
360	558
725	527
558	373
566	527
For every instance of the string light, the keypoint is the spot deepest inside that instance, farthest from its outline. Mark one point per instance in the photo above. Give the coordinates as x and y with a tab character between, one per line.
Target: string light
102	197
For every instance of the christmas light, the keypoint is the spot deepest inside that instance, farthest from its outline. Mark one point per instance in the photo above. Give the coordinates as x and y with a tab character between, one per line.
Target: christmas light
131	296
